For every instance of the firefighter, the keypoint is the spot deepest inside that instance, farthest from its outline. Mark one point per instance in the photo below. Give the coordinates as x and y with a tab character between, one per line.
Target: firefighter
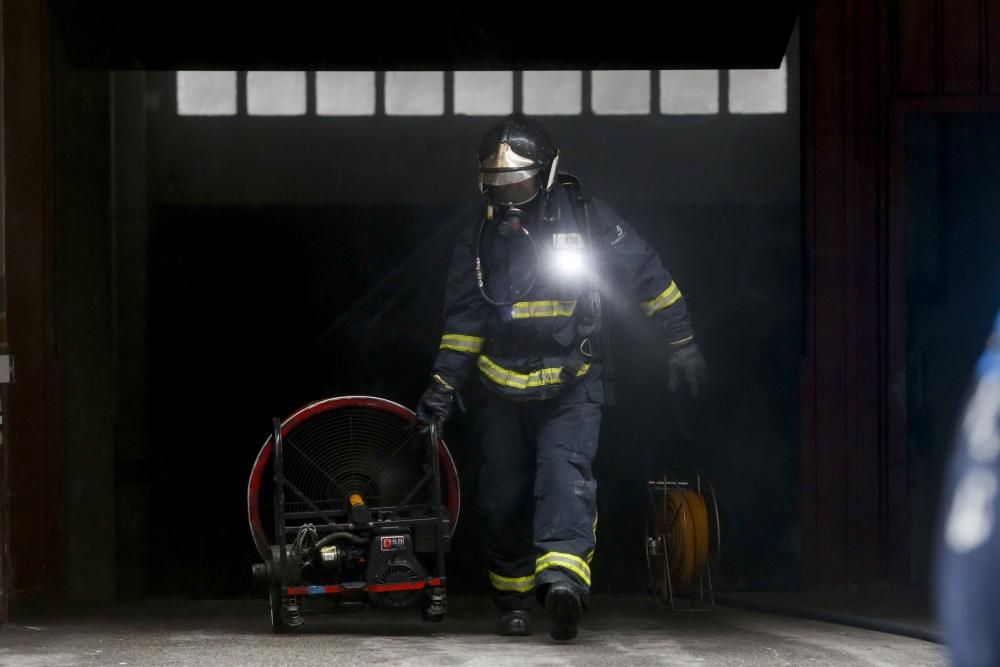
968	551
523	311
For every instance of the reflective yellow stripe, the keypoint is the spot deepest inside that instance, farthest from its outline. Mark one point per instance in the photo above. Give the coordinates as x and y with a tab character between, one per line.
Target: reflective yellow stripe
667	298
525	309
567	565
590	554
508	378
683	341
460	343
516	584
574	564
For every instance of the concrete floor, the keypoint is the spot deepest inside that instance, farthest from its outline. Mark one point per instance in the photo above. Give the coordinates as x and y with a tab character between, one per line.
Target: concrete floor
906	611
619	630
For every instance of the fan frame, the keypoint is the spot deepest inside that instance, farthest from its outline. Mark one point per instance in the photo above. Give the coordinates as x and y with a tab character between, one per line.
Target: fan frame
449	473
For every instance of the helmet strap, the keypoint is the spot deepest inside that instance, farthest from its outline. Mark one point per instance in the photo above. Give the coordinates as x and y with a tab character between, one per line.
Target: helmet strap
553	171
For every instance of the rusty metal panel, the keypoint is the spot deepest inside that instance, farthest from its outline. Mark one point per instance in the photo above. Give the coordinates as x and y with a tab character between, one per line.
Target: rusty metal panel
35	464
992	45
916	36
862	228
962	37
841	407
823	390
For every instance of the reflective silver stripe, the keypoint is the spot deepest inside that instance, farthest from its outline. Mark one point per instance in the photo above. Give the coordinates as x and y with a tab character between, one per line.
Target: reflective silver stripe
508	378
462	343
525	309
667	298
516	584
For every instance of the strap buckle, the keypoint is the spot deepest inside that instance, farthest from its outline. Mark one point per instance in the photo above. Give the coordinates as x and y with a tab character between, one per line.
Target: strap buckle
576	360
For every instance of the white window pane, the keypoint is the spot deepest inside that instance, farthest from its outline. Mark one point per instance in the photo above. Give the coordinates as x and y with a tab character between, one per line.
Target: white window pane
620	92
345	93
414	93
276	93
759	90
206	93
484	93
689	91
551	93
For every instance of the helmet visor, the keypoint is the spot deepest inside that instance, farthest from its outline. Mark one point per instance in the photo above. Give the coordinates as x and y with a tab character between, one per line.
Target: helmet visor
513	194
505	176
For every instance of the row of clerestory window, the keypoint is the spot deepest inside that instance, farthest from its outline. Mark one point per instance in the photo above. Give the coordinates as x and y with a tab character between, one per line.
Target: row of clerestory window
483	93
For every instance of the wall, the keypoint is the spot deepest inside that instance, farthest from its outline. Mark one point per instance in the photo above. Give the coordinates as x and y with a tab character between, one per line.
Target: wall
85	327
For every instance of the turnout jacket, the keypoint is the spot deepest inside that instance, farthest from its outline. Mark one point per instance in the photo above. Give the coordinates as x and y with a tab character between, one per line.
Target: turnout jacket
519	350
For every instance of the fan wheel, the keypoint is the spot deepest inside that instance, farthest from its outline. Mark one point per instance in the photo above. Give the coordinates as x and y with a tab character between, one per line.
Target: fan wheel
342	446
286	613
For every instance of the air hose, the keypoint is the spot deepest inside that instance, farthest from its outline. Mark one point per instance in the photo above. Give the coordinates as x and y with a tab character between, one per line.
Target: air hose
340	535
480	280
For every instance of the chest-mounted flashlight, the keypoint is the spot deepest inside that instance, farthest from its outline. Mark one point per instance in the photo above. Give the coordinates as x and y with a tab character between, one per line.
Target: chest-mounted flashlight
569	256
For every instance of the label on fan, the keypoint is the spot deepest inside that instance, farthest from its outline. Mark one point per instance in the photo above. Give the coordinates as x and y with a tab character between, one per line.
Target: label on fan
393	542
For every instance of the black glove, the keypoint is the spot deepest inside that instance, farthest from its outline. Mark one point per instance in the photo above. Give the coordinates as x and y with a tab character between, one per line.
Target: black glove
688	363
435	405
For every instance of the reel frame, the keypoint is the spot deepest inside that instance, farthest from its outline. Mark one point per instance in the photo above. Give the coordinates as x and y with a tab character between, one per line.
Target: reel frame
688	584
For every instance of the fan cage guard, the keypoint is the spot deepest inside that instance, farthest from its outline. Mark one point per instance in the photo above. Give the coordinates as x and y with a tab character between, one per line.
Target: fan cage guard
344	445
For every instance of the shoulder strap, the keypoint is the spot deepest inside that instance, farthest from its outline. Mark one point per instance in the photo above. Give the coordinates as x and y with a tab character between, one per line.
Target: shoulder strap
581	210
581	204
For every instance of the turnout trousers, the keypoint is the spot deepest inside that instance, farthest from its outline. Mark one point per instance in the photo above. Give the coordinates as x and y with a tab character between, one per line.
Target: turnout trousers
538	493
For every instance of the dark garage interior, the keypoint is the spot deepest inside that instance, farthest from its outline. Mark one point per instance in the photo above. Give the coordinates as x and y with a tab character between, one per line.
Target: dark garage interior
212	220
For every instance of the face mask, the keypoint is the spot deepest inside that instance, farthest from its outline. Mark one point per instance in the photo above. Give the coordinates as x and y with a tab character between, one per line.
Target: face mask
510	222
514	194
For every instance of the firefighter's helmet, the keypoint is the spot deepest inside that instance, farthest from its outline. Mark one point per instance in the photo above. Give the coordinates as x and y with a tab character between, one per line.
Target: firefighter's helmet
517	160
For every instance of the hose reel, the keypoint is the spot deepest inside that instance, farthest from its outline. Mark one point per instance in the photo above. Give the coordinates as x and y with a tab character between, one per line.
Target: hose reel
682	542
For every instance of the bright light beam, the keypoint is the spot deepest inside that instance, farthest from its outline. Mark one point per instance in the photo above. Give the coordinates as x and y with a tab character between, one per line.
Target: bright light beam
569	262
